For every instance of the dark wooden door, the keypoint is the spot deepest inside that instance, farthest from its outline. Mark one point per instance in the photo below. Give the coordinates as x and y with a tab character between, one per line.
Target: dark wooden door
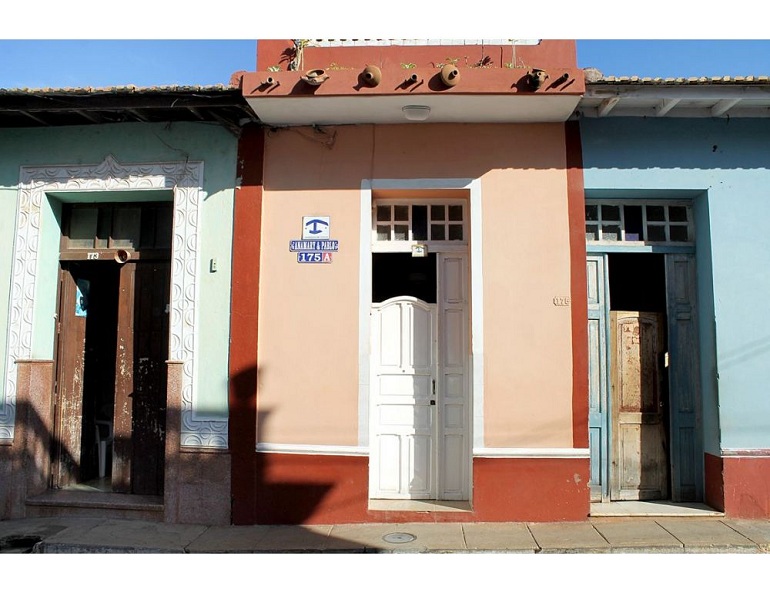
140	394
71	329
151	300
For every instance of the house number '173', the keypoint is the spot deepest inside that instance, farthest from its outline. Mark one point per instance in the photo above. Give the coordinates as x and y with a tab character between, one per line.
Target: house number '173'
92	255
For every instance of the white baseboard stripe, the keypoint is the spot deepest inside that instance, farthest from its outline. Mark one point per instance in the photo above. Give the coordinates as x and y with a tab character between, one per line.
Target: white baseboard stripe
745	453
562	453
350	451
496	452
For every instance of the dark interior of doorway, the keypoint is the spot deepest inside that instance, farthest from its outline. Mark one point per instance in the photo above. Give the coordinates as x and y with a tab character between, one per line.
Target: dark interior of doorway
637	282
401	274
100	307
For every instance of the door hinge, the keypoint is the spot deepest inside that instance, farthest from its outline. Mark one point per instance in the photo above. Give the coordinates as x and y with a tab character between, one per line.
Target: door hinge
434	386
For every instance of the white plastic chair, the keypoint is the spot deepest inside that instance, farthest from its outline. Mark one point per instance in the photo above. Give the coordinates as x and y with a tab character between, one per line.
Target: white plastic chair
104	438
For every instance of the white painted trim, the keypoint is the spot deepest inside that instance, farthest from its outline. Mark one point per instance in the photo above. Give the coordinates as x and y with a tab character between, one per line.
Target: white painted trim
185	179
348	451
753	453
364	309
526	453
477	314
422	183
476	301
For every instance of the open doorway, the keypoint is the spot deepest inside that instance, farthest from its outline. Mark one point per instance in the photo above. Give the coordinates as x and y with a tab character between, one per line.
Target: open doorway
112	347
638	351
400	274
419	342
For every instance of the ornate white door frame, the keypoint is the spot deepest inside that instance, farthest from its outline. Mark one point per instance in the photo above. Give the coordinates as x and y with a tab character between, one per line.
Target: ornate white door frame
185	180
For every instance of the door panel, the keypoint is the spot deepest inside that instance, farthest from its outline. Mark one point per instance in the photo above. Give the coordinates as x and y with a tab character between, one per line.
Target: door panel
597	376
420	392
684	379
122	449
404	358
452	385
111	358
639	431
148	426
71	367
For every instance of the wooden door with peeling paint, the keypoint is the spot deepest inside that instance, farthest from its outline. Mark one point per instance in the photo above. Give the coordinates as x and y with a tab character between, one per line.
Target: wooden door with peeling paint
69	382
112	352
112	347
640	462
148	434
140	383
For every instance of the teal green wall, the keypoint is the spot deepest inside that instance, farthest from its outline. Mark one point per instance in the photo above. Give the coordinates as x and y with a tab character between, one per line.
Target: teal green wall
128	144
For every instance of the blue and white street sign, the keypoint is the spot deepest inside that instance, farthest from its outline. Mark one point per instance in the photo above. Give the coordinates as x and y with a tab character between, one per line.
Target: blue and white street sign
315	227
329	245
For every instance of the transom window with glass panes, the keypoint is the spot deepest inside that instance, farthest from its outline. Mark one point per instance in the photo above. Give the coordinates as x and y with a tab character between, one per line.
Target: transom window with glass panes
419	222
638	222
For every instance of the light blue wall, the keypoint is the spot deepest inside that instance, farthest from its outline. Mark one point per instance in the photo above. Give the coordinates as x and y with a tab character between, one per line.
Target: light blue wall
727	164
129	143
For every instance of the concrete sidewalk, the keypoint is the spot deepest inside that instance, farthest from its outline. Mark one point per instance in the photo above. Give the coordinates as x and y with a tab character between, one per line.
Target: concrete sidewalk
602	535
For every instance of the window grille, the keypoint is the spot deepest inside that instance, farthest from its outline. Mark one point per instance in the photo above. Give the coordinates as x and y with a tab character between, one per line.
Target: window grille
638	222
419	222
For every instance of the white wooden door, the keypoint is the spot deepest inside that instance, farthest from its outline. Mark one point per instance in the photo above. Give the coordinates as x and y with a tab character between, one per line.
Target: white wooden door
403	455
452	386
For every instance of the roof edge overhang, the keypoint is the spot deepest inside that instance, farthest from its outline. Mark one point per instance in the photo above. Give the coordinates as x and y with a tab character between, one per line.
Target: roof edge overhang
51	107
474	95
676	98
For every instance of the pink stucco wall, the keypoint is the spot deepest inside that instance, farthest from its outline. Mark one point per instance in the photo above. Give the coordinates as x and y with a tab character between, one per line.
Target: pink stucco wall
308	353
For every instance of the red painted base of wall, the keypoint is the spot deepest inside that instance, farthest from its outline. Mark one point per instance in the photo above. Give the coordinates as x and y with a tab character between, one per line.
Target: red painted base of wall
327	489
714	490
531	489
747	487
739	485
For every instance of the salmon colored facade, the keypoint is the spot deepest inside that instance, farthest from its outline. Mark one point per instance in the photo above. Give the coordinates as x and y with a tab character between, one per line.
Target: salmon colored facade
506	437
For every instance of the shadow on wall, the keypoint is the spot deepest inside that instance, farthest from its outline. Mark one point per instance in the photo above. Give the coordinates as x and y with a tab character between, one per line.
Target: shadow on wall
284	499
685	143
25	469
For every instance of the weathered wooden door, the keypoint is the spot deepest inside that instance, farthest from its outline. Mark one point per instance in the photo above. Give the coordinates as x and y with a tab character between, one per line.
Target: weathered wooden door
404	358
118	370
640	464
684	379
598	417
150	354
71	328
140	391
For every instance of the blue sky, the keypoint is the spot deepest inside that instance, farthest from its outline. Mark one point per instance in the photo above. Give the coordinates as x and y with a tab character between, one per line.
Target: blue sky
73	63
55	45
